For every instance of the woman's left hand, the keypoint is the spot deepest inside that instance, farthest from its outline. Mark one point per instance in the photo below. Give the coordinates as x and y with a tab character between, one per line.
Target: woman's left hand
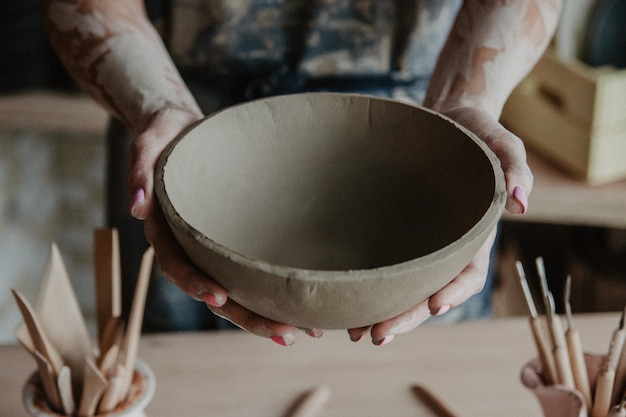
519	179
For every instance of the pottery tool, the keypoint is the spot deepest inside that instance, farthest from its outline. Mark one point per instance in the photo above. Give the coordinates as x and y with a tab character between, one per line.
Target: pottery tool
108	285
575	350
433	403
59	312
66	396
619	387
114	392
311	403
555	329
48	380
619	410
606	378
94	384
537	328
133	328
40	340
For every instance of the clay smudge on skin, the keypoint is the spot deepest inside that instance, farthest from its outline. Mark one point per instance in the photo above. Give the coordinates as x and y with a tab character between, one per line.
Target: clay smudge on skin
118	58
489	60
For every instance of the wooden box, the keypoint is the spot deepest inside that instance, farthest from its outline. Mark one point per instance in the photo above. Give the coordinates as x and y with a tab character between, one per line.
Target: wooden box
573	115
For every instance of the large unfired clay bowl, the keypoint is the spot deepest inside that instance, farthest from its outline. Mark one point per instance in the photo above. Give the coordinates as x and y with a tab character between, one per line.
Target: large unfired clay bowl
330	210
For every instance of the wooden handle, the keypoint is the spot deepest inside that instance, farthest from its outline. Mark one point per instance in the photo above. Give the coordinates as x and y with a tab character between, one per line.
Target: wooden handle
579	367
544	350
312	403
602	398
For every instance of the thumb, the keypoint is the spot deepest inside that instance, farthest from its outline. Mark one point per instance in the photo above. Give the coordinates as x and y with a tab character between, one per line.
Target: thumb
145	151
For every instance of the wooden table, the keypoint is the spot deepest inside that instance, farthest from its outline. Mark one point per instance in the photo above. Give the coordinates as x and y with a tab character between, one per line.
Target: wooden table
472	366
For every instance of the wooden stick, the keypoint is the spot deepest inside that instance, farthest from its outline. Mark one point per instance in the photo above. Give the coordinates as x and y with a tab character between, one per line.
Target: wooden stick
64	384
94	384
432	402
48	380
555	329
538	331
559	350
312	402
38	335
575	350
108	282
133	329
619	387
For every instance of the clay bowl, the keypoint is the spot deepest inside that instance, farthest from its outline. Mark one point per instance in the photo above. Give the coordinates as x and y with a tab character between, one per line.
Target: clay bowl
329	210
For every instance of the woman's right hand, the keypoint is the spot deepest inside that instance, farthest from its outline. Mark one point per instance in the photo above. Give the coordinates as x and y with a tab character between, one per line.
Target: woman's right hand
148	146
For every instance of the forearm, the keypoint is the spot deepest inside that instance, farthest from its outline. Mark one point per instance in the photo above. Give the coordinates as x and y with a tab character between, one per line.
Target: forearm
116	55
491	48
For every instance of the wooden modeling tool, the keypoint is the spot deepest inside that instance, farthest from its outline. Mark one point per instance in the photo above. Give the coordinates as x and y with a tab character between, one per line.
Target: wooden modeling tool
40	340
133	328
606	378
537	327
575	350
60	315
48	380
108	285
433	403
555	329
619	388
311	403
64	384
618	410
94	384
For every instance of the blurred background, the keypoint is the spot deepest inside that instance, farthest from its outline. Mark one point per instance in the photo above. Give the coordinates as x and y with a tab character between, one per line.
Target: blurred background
52	164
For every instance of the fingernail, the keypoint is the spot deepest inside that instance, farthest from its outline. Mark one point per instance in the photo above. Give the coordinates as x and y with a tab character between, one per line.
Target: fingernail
282	340
441	310
136	200
357	337
519	195
213	299
314	332
384	341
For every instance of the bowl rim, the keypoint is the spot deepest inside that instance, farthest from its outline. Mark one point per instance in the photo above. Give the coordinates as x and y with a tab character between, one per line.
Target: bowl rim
489	218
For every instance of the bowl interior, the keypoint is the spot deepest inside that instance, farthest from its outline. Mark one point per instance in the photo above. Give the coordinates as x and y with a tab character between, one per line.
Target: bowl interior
329	181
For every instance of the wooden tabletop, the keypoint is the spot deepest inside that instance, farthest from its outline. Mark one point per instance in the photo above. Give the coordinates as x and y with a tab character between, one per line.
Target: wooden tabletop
558	198
474	367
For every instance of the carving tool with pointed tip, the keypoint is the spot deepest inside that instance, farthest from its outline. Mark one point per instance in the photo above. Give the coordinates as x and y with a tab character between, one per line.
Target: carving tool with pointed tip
538	330
108	279
574	348
40	340
606	377
619	388
555	329
133	328
559	349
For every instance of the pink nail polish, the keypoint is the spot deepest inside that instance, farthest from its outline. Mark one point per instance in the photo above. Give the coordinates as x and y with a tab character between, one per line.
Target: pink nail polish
519	194
136	200
441	310
212	299
280	340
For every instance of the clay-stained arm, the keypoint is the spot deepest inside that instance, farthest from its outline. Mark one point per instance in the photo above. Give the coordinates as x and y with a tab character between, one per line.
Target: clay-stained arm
491	48
116	55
